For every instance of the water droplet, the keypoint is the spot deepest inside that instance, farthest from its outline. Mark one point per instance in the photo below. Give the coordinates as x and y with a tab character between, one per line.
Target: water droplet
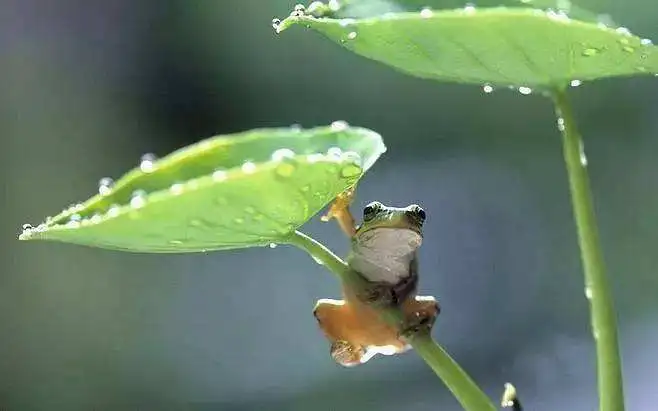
282	154
487	88
219	175
334	5
525	90
469	8
285	169
339	125
334	153
623	30
105	186
426	13
176	188
559	15
138	199
646	42
560	124
575	83
238	220
351	35
114	210
589	52
248	167
350	171
346	22
352	157
73	224
147	163
75	217
276	23
300	7
588	293
583	157
96	218
272	245
315	157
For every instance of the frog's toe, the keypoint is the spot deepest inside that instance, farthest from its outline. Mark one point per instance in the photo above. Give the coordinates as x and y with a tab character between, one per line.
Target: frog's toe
347	354
419	322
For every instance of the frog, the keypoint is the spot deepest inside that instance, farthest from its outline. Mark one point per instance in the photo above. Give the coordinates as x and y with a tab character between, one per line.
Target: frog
384	252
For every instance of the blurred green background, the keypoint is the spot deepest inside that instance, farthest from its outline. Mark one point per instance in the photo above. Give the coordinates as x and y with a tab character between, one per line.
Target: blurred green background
89	86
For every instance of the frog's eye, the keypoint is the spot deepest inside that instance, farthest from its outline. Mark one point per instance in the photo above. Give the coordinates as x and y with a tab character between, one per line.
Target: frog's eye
371	210
418	212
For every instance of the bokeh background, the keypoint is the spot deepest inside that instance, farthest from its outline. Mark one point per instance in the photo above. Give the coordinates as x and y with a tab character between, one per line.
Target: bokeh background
86	87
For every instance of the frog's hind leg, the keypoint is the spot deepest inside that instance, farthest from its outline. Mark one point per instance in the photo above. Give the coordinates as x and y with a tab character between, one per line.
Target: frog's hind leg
340	211
337	323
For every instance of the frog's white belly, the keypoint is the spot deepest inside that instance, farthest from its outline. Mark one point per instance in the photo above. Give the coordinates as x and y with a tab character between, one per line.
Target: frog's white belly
384	254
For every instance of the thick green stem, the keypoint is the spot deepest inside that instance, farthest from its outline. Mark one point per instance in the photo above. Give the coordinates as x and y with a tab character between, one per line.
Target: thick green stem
602	312
469	395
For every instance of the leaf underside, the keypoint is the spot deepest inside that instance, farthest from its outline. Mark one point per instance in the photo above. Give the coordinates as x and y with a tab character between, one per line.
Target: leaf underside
500	46
243	190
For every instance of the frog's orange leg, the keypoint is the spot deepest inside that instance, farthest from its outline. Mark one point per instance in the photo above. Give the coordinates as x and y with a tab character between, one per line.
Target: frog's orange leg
337	323
340	210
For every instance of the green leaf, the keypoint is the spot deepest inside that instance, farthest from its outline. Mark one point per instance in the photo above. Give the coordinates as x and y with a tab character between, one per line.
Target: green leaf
374	8
242	190
502	46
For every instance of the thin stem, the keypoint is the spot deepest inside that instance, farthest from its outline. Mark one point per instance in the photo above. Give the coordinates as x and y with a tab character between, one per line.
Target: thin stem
469	395
602	312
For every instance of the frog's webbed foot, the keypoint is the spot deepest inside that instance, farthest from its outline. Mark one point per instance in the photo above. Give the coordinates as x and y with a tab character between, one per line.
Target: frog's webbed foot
340	211
420	316
346	354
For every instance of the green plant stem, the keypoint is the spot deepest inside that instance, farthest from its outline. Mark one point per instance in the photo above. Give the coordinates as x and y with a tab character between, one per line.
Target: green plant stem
469	395
602	312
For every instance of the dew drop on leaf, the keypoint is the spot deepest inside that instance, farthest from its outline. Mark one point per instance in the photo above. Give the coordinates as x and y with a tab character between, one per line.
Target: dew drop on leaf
339	125
272	245
248	167
219	175
138	199
283	154
147	163
575	83
105	186
589	52
426	13
285	169
176	189
525	90
487	88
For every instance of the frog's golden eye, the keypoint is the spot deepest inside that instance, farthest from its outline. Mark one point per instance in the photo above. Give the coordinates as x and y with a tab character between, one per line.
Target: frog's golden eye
418	212
371	210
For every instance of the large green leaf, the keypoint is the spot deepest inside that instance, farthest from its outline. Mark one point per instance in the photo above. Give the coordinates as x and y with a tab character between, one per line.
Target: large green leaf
502	46
243	190
374	8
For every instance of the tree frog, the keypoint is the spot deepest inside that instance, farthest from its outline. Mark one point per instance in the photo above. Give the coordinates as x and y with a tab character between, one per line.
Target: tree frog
384	252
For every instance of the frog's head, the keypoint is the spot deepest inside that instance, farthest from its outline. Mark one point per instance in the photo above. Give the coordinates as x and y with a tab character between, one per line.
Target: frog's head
377	215
391	228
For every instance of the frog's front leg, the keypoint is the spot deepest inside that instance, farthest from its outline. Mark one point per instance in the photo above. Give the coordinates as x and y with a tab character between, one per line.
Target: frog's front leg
419	316
340	210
